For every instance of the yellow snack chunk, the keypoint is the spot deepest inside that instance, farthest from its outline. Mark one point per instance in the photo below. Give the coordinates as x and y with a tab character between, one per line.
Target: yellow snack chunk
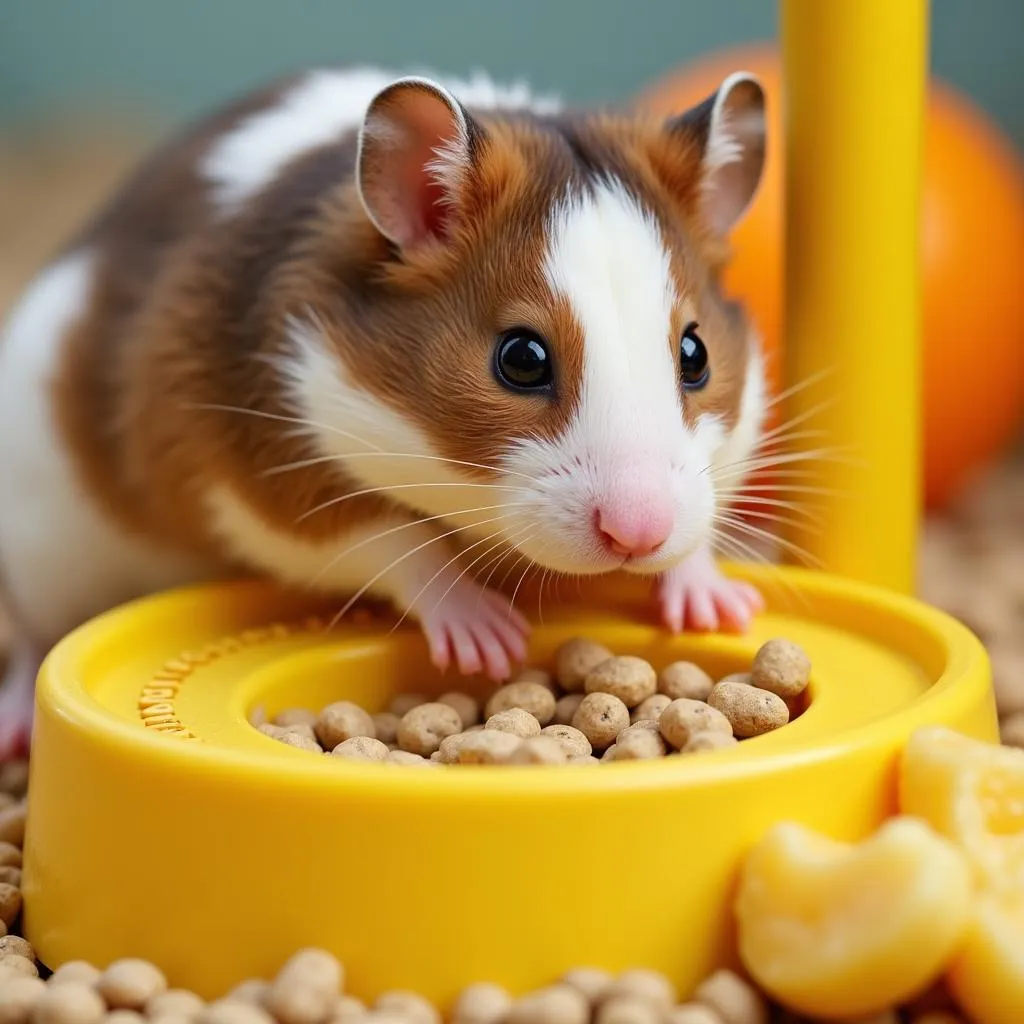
842	930
972	792
987	975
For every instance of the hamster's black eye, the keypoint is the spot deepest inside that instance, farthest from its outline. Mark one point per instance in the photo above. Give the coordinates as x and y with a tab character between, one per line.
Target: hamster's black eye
693	360
522	361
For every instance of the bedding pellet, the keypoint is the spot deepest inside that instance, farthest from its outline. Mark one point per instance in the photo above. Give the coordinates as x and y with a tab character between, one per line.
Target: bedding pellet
597	706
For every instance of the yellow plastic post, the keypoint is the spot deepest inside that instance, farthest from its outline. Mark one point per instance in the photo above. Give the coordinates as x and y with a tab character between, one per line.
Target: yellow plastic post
855	82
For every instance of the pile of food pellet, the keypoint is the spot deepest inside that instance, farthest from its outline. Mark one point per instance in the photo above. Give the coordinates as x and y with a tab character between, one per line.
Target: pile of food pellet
593	706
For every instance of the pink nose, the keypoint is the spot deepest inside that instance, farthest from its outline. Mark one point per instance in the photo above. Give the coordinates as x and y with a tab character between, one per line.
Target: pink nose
633	529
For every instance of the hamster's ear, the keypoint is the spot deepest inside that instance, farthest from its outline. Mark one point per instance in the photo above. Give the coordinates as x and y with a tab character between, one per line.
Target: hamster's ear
416	147
729	128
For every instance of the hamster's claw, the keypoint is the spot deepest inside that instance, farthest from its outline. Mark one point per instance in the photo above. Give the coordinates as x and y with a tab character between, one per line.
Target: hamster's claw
695	595
478	630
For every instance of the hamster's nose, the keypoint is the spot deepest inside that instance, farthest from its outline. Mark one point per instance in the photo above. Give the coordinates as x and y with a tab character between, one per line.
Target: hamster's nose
634	529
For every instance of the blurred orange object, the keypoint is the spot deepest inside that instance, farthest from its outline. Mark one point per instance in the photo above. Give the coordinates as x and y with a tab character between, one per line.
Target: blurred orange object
973	267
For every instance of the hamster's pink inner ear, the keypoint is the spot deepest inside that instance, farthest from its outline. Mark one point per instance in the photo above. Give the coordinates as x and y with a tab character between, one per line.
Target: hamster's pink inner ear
730	128
414	155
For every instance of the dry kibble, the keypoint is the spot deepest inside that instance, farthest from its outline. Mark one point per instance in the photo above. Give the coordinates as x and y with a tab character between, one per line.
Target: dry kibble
650	710
361	748
750	710
574	661
12	876
685	717
299	740
626	677
448	751
609	754
294	716
466	706
1011	730
516	721
75	972
12	825
15	945
601	717
537	675
627	1010
703	741
11	963
538	750
69	1004
341	721
737	677
684	679
487	747
557	1004
18	998
643	983
481	1004
533	697
124	1017
733	999
426	725
10	855
385	726
638	745
781	667
258	716
347	1010
305	988
130	983
405	757
234	1011
592	982
405	702
692	1013
10	904
253	990
179	1002
574	742
410	1005
565	708
585	759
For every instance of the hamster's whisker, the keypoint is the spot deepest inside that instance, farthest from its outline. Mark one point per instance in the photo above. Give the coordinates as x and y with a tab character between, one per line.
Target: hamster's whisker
787	545
799	386
526	572
771	517
733	547
316	460
401	487
789	506
502	555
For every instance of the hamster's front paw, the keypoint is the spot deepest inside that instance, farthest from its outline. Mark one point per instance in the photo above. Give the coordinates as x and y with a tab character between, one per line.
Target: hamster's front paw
695	595
477	629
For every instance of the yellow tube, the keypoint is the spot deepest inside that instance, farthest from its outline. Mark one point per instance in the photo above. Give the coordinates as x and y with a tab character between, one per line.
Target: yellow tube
855	79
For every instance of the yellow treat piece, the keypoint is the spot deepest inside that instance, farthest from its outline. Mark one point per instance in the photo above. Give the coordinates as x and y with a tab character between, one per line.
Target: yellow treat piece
972	792
987	976
837	929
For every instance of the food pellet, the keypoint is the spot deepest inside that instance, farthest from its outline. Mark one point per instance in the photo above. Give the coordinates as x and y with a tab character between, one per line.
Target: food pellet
482	1003
650	710
750	710
12	876
592	982
10	903
685	717
781	667
737	677
347	1010
341	721
638	745
684	679
565	708
300	741
305	988
574	742
426	725
410	1005
536	675
465	707
516	721
538	750
75	972
179	1002
252	991
630	679
692	1013
405	702
642	983
234	1011
72	1003
703	741
627	1010
557	1004
294	716
124	1017
487	747
535	698
12	825
11	963
609	753
10	855
361	748
15	945
18	998
601	717
130	983
405	757
733	999
385	725
574	661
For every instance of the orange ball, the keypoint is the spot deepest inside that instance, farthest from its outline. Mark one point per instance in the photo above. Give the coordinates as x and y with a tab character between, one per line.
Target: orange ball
972	266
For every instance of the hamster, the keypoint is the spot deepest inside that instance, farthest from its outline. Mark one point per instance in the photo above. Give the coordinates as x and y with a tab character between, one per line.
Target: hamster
383	334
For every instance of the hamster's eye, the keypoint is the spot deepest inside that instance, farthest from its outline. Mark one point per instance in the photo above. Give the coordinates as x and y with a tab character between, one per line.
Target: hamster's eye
693	359
522	361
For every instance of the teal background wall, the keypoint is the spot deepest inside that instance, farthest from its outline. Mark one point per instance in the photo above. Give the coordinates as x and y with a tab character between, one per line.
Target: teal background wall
168	59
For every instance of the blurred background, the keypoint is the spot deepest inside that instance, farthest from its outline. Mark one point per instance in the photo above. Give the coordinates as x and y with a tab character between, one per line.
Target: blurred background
85	88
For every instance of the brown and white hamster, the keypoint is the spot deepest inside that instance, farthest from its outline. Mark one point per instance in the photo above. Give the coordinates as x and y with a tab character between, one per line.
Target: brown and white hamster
356	326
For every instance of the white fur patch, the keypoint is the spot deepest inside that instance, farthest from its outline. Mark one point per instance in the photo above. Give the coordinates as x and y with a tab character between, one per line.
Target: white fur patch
320	108
62	559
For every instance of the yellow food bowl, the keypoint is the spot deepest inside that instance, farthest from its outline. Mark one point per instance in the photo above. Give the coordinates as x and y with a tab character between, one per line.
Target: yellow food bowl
163	825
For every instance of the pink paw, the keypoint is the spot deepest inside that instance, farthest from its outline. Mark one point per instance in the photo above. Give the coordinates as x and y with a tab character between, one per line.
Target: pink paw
17	699
696	596
477	629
